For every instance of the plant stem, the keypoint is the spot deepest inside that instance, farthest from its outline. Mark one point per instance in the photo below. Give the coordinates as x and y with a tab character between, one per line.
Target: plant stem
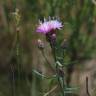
18	53
63	85
58	77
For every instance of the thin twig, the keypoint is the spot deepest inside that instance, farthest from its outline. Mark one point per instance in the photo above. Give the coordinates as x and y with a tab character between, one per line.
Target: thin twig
49	92
87	87
47	61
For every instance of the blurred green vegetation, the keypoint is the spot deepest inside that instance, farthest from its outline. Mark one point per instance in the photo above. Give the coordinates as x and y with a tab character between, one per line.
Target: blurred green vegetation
79	19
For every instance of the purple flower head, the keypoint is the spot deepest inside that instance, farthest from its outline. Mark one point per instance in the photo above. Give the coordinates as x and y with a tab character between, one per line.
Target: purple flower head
47	26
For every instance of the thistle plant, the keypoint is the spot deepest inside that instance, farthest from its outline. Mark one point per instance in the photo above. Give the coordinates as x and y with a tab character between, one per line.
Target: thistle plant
49	28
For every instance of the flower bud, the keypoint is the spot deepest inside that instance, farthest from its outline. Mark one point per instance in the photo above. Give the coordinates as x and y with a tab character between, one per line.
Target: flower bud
54	36
40	44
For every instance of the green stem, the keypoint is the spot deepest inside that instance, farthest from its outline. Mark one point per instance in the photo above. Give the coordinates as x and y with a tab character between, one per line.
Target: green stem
63	85
18	62
58	77
18	53
13	86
